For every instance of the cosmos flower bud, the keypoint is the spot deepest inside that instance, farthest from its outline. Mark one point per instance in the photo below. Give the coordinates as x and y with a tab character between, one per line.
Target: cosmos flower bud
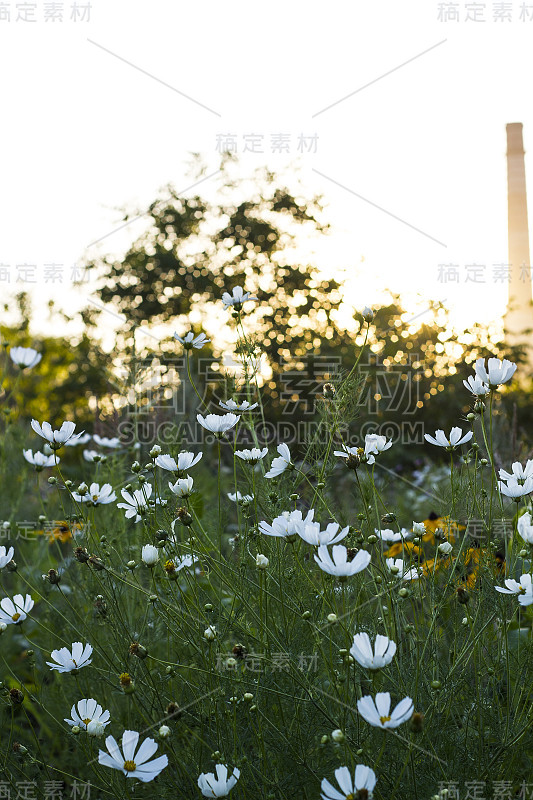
462	595
416	723
338	736
367	314
173	711
52	576
126	683
163	731
329	391
150	555
138	650
83	489
16	696
261	561
155	451
184	517
210	633
81	555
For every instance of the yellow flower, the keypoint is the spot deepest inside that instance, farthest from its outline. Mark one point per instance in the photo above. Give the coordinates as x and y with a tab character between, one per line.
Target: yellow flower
448	526
62	532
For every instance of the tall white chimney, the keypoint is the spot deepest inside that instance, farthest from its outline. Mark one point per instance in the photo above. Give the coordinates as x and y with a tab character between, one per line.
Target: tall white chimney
519	315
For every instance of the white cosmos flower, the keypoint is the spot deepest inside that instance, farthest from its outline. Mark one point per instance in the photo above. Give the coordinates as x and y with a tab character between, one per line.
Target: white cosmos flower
252	456
399	567
374	444
150	555
12	612
280	463
346	451
236	298
183	487
6	556
449	442
82	440
377	712
88	711
89	455
138	502
231	405
496	372
419	528
184	461
57	438
71	660
338	564
310	532
184	561
218	785
388	535
237	497
515	489
518	472
445	548
103	441
190	340
523	590
24	357
39	460
476	385
383	653
131	764
218	424
96	496
95	728
364	781
524	526
287	524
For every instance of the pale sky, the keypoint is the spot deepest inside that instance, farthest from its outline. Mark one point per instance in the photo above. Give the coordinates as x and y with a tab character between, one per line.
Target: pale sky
409	111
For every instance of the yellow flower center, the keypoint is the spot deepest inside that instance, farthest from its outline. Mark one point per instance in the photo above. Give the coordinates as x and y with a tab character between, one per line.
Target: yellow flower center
86	721
130	766
383	720
95	497
15	617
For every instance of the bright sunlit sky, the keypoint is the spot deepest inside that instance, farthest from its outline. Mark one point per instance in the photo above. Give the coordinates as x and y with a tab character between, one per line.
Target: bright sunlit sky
411	164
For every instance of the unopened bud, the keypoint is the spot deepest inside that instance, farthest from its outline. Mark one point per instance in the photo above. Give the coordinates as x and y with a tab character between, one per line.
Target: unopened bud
416	723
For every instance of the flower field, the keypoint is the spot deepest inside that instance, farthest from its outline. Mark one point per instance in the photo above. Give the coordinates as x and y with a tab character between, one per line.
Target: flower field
212	616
